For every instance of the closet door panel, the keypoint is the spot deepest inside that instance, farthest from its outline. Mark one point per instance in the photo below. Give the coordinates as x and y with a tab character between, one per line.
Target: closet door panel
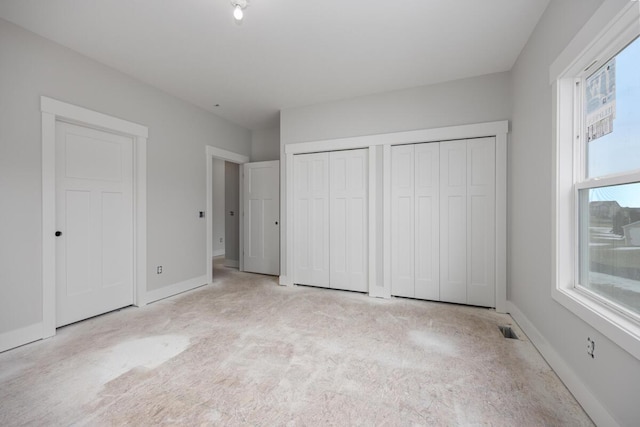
311	219
453	221
402	221
482	231
349	220
427	244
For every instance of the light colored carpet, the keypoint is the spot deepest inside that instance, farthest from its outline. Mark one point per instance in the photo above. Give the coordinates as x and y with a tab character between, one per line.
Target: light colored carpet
245	351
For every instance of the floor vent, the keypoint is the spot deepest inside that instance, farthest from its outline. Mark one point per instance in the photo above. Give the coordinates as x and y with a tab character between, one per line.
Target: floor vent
507	332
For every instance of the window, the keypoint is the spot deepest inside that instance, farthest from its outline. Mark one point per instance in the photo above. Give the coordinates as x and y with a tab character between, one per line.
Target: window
608	184
596	252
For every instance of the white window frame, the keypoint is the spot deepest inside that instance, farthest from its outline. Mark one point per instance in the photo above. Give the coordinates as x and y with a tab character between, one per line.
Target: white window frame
613	26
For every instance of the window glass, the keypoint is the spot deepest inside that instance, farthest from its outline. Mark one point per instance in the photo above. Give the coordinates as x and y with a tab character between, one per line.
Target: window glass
612	114
610	246
609	229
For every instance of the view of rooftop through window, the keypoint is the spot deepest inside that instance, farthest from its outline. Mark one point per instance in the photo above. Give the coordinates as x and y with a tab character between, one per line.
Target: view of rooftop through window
610	258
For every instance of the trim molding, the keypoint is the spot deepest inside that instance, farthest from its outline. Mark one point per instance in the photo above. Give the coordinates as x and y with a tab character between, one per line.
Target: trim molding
233	263
175	289
22	336
587	400
475	130
218	252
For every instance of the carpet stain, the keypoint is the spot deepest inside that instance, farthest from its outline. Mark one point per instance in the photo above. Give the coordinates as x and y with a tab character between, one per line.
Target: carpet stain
148	352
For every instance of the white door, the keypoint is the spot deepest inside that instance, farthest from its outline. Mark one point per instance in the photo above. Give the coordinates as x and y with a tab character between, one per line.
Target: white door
427	221
453	221
311	219
348	220
94	216
402	221
467	218
481	214
262	217
414	214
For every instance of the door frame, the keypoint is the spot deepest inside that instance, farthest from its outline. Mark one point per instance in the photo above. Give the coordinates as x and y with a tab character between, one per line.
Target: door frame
229	156
57	111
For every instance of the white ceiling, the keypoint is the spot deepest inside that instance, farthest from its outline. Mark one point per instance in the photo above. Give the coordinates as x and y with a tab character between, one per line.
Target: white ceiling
285	53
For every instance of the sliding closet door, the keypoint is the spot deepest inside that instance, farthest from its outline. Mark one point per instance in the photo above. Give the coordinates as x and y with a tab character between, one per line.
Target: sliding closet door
481	233
348	220
427	224
402	221
453	221
311	219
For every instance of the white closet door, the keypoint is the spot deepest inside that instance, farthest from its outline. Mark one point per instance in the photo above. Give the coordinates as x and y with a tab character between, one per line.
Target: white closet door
481	232
402	221
311	219
427	225
348	223
453	221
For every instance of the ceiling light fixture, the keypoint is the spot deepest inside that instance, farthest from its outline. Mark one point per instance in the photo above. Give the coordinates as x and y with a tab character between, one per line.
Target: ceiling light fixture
238	5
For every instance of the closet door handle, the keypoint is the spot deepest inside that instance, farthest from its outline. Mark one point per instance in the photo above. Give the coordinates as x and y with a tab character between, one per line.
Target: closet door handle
58	233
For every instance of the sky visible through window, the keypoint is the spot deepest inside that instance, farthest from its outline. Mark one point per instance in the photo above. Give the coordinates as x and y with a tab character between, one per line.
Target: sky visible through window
619	151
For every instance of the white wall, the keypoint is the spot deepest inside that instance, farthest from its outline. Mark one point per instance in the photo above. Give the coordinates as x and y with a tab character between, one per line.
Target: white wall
218	210
178	133
613	376
475	100
232	222
265	145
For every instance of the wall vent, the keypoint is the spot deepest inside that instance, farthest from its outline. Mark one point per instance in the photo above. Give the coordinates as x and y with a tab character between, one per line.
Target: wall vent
508	332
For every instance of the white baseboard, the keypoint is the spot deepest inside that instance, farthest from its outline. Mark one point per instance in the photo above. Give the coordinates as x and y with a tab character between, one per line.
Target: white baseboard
234	263
178	288
284	281
22	336
218	252
589	402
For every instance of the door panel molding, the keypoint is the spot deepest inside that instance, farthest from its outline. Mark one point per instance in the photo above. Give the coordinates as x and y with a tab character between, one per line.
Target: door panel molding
58	111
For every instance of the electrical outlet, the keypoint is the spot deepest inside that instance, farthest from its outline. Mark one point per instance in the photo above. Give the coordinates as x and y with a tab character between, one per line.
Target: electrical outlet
221	240
591	347
159	269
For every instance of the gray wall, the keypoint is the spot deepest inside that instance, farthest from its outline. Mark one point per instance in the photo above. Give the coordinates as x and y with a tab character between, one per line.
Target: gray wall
614	375
265	145
178	133
474	100
218	210
232	222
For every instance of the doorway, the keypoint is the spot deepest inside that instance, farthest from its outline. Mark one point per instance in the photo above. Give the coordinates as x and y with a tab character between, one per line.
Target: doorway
222	157
225	211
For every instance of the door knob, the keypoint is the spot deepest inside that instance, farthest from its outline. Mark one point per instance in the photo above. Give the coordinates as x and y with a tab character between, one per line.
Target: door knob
276	222
58	233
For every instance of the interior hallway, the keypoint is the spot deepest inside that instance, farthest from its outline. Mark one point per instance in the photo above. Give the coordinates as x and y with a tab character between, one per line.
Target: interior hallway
245	351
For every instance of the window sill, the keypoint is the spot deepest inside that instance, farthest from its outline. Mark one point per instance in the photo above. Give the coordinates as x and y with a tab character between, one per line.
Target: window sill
620	329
